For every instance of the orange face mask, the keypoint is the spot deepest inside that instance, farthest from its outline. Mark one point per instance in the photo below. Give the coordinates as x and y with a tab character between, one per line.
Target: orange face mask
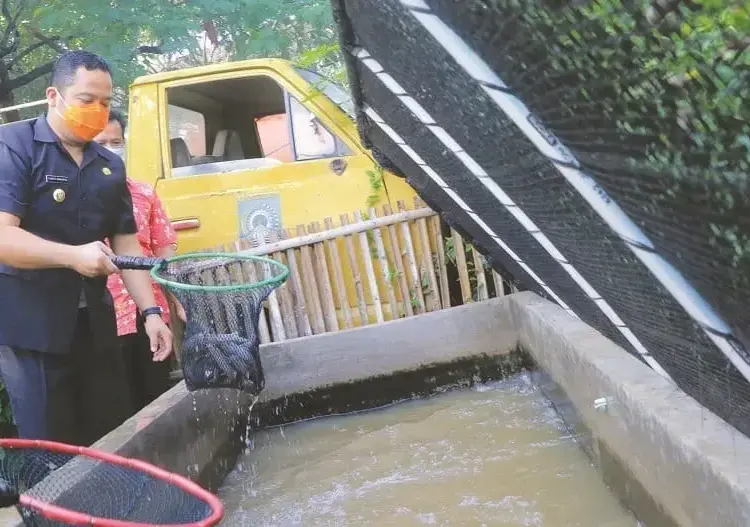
85	121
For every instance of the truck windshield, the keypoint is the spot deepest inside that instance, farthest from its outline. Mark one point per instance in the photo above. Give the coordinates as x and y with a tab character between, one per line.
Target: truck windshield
333	91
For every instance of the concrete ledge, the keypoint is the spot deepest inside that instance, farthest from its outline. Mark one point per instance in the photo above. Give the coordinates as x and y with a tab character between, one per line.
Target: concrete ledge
691	463
182	431
670	460
312	363
200	434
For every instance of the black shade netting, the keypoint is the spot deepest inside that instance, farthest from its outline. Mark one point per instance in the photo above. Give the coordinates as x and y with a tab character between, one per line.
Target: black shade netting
653	100
223	299
94	488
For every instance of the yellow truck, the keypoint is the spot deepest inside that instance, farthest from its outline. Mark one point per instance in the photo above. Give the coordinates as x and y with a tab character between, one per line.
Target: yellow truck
241	149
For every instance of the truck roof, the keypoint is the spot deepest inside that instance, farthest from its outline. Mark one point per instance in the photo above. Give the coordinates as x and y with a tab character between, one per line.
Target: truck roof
222	67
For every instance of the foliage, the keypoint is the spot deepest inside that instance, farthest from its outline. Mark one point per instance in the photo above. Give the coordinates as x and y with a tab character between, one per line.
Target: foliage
375	179
141	36
652	98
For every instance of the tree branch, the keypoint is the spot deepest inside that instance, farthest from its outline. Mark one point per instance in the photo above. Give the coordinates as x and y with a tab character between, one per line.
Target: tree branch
12	26
9	20
36	45
26	78
55	43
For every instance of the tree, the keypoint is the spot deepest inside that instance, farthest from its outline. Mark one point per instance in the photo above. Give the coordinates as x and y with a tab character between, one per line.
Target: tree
34	32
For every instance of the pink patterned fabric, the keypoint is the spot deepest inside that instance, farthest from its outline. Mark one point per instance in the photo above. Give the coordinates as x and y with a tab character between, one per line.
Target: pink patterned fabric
154	232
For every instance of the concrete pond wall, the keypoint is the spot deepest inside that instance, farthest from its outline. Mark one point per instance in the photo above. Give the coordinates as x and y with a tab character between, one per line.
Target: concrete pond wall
671	461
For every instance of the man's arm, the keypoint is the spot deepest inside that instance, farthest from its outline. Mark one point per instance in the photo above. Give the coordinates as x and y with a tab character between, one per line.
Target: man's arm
138	283
24	250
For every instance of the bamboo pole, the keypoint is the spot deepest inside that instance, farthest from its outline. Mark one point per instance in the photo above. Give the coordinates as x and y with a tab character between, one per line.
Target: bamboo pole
356	275
310	285
345	230
432	297
398	255
222	277
178	331
370	271
499	286
482	293
217	319
463	270
285	299
417	295
263	272
324	283
338	277
385	268
442	268
248	269
238	276
298	295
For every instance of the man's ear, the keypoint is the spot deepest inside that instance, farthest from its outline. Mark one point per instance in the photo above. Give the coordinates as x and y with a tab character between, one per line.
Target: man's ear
52	96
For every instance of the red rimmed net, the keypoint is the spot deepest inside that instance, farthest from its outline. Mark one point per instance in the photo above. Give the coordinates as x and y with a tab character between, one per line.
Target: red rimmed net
56	485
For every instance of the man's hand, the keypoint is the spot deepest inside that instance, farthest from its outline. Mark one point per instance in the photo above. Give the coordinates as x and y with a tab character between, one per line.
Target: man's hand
94	259
159	336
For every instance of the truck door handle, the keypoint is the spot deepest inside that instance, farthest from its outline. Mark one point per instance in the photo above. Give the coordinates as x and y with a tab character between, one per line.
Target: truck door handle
185	224
338	166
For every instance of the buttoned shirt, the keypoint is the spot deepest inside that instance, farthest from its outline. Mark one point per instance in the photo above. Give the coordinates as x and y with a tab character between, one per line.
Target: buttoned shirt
58	200
155	231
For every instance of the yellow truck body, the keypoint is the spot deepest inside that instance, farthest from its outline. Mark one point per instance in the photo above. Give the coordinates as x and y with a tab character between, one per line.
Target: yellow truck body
242	149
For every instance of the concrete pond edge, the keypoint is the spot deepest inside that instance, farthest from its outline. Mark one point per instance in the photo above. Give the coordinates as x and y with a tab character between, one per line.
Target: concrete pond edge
669	459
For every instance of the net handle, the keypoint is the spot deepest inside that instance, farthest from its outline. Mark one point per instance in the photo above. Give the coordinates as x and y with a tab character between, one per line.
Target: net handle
137	263
61	514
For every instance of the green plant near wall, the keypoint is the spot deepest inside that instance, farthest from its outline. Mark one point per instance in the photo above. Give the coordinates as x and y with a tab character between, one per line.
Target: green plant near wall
375	179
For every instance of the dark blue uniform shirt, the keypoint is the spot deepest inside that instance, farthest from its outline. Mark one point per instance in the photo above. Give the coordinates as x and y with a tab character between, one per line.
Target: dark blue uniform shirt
59	201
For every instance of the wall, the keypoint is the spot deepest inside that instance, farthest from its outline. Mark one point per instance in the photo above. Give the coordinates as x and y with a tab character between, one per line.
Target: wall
672	461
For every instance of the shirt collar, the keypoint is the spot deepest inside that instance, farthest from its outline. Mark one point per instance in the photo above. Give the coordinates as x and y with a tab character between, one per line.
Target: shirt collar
43	132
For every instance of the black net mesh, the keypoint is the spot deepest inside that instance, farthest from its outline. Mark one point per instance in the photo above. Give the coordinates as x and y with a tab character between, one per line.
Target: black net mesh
223	297
91	487
652	97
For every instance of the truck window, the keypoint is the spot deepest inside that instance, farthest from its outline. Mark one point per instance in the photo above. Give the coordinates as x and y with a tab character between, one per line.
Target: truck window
190	127
242	124
309	138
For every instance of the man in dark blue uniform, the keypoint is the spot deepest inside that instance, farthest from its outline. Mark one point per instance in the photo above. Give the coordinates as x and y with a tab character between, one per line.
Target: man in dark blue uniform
61	195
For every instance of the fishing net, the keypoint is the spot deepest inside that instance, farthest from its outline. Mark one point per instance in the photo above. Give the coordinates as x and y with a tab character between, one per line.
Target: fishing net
223	297
651	99
56	485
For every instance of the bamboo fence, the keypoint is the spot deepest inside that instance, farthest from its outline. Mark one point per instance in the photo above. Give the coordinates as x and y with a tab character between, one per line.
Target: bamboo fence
367	268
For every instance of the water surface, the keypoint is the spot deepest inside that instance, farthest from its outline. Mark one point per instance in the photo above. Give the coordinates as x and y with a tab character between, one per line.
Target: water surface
496	454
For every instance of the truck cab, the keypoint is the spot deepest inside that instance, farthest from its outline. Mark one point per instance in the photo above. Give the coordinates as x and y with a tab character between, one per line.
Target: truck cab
243	149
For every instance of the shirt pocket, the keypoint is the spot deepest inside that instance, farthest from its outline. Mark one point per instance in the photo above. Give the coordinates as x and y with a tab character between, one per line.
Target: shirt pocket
55	197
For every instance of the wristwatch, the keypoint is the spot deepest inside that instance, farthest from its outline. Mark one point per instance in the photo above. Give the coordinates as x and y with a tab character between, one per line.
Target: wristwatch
156	310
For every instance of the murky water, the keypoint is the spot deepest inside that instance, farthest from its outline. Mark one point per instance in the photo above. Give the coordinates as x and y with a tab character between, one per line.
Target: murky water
493	455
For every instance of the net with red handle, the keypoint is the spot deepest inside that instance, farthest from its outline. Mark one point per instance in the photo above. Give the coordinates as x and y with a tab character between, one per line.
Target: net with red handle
55	485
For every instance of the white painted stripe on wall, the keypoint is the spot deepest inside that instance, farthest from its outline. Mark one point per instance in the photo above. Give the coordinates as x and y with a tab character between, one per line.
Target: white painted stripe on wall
527	223
398	140
566	163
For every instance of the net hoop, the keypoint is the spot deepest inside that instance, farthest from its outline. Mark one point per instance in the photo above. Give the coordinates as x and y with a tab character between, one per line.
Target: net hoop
61	514
273	281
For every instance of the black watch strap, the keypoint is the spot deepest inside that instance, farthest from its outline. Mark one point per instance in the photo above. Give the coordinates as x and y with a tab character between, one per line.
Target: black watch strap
156	310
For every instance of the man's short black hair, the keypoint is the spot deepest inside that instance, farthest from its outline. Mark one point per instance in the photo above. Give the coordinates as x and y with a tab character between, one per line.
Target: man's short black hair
116	115
65	67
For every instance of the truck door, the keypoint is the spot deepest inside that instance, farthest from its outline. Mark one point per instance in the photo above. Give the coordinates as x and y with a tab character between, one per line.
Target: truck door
255	153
